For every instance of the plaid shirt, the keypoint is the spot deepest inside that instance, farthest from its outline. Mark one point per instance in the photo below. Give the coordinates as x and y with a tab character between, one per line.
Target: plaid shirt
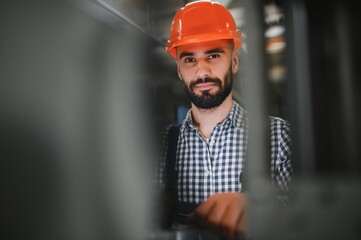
207	166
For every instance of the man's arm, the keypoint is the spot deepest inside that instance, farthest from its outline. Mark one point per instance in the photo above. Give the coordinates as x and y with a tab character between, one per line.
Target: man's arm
223	213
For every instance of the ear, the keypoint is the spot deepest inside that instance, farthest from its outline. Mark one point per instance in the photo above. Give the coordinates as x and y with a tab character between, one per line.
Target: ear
177	62
178	71
235	61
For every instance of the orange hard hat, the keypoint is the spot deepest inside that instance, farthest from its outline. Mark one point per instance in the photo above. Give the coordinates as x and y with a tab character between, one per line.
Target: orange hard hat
202	21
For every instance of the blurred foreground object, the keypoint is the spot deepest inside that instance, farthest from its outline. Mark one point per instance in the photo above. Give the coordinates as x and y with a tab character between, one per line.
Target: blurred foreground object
73	137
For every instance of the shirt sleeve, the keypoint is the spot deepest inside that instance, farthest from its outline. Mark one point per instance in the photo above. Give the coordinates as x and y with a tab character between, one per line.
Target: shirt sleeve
159	178
282	169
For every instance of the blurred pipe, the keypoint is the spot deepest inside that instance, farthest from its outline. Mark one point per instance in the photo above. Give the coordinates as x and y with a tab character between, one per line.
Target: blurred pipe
255	94
346	87
257	162
303	137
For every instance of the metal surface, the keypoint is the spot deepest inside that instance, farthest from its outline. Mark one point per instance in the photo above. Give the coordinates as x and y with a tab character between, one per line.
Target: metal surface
124	18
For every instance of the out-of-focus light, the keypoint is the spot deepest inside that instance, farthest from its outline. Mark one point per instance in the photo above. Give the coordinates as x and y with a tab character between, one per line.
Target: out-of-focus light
277	73
275	45
274	31
272	13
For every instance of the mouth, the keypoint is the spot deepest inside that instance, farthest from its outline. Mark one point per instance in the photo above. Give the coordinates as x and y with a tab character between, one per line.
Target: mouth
204	86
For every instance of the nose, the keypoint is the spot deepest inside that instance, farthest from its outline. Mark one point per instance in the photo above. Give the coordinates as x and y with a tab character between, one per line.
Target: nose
203	69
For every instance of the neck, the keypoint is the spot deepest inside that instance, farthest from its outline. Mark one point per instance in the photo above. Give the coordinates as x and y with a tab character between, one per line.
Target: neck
207	119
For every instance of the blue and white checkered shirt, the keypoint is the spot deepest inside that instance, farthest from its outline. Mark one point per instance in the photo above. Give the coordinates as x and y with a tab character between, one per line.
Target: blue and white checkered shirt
207	166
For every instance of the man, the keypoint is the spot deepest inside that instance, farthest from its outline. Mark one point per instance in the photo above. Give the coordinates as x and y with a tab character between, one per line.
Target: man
210	148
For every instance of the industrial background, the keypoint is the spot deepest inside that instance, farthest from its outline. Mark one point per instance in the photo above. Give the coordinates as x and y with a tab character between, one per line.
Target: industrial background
85	86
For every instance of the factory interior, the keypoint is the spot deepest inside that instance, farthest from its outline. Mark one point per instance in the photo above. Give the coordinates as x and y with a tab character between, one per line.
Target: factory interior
87	85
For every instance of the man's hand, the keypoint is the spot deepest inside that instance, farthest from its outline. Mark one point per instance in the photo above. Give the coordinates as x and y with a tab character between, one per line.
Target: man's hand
223	213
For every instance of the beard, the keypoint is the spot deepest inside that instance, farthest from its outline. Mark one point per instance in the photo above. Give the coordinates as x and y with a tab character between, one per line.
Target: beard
207	100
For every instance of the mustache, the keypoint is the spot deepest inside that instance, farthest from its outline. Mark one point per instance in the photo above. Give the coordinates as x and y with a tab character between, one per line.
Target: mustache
205	80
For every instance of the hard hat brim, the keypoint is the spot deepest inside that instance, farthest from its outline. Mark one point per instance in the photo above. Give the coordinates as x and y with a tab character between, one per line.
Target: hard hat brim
172	45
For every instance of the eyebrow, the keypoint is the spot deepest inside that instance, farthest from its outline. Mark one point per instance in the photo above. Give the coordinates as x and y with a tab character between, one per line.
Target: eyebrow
185	54
210	51
215	50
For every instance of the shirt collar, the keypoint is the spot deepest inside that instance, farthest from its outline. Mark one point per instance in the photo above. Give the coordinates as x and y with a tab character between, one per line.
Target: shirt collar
237	117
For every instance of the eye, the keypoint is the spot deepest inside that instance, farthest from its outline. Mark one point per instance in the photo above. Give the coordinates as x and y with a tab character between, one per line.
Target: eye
213	56
189	60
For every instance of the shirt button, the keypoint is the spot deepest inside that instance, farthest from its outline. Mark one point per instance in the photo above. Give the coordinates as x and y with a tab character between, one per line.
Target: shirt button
207	173
213	141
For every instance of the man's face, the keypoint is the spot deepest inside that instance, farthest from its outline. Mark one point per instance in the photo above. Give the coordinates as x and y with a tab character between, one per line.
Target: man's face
206	70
